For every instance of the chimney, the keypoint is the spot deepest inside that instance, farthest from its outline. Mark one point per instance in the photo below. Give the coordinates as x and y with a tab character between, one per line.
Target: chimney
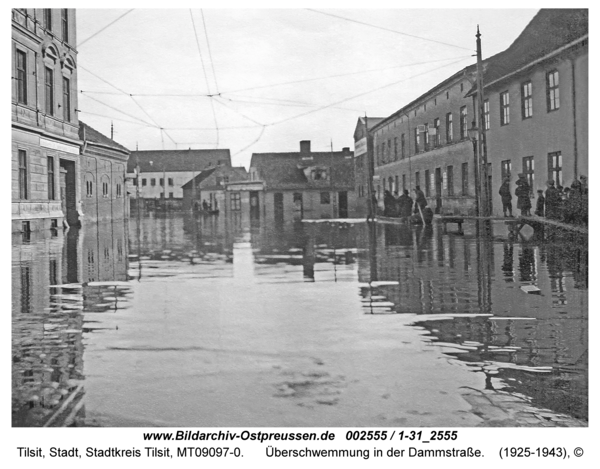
305	147
346	152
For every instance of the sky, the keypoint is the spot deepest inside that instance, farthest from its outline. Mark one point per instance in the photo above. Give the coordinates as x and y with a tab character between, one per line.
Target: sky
261	80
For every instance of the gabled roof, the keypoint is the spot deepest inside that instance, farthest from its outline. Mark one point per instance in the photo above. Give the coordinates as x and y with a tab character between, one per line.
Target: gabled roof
91	135
286	170
370	121
177	160
548	31
198	178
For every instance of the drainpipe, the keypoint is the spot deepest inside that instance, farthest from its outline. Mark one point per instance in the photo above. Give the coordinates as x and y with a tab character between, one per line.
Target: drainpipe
574	99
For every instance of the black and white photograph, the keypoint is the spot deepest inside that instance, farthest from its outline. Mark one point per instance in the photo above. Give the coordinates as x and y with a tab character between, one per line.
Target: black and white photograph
359	218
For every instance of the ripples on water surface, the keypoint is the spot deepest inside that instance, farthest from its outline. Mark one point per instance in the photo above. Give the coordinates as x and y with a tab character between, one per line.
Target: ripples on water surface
213	322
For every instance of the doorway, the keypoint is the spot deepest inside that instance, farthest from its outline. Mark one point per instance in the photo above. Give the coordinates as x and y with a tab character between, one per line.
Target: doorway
254	205
343	204
68	192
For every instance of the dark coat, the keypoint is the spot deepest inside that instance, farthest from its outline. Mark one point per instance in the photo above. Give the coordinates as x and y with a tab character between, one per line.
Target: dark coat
505	192
405	204
522	193
539	207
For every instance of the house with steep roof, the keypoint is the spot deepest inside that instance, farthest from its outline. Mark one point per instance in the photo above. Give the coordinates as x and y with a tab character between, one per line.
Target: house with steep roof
103	164
157	176
210	186
305	184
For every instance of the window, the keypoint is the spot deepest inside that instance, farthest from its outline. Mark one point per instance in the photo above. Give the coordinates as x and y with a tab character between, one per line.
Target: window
51	186
383	158
450	180
170	195
119	193
391	184
49	88
464	126
427	183
416	140
171	182
153	182
505	169
465	178
325	198
395	148
396	187
319	175
402	146
555	167
449	128
504	108
552	91
23	186
65	24
389	150
526	100
426	136
378	155
528	170
143	182
436	138
486	114
235	201
66	99
105	184
48	19
161	182
89	185
417	177
403	182
21	77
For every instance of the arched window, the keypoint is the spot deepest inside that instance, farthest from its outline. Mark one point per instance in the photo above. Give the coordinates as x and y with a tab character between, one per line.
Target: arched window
118	187
89	185
105	186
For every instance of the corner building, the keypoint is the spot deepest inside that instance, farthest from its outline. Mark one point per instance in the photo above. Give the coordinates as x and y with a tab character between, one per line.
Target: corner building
45	142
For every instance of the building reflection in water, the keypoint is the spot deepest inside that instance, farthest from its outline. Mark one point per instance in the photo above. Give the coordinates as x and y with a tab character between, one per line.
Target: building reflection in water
56	278
466	292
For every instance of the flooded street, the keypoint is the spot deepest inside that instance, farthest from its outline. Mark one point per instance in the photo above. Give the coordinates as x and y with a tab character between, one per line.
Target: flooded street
177	321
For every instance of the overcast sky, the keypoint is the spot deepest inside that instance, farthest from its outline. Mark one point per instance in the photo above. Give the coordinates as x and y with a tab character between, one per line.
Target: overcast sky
342	69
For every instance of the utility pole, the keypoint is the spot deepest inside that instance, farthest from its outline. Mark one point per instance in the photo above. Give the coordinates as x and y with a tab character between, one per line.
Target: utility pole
371	209
482	139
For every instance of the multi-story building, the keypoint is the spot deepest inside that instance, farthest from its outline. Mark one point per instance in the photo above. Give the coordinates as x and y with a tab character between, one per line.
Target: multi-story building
535	121
536	103
363	165
426	144
45	141
103	166
161	174
305	184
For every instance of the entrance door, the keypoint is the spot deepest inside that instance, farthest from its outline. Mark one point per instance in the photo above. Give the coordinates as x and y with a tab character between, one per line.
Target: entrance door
343	204
68	193
254	205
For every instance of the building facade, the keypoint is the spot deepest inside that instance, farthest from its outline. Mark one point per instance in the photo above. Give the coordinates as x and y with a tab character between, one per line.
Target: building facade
306	184
536	101
156	177
45	141
363	165
103	170
535	120
210	186
426	144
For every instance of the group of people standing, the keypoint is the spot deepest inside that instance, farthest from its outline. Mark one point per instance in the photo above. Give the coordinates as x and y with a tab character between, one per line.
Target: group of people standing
558	203
403	206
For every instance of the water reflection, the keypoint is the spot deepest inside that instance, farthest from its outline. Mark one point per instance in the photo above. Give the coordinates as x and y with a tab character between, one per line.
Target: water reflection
533	344
55	278
212	284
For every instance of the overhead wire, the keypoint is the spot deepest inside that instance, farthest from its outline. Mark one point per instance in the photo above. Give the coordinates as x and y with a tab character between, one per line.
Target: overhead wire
123	112
238	112
100	30
212	64
389	30
359	95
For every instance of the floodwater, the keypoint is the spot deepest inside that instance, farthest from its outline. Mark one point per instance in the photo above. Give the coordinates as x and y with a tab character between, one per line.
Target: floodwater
176	321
